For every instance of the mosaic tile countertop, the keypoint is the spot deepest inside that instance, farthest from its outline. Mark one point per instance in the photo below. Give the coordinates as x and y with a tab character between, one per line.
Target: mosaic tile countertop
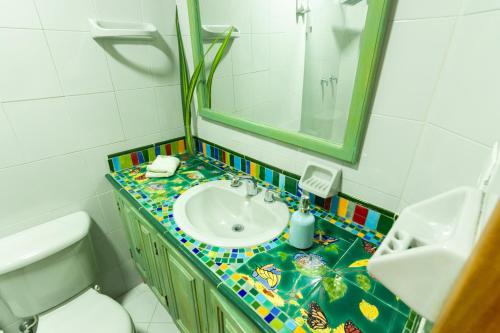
324	289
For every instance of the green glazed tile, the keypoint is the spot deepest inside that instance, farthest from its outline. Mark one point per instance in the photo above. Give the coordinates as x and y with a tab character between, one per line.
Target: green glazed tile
384	224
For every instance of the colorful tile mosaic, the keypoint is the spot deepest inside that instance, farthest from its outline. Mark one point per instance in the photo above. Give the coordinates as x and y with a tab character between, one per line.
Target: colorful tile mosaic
138	156
324	289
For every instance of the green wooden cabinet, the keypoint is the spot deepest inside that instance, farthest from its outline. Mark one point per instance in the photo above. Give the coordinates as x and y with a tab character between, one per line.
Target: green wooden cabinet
224	317
193	302
130	218
188	289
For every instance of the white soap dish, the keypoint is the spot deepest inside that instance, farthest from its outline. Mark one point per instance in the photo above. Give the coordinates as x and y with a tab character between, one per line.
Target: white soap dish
321	181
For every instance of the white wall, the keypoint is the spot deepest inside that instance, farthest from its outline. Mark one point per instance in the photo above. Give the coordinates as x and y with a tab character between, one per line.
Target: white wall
436	111
67	102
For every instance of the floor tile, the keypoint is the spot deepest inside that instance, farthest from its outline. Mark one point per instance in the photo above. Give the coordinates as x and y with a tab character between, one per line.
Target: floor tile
140	305
161	315
141	327
163	328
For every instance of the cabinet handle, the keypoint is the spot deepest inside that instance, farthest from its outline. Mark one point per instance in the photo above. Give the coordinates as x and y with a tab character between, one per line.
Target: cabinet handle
131	253
156	248
138	250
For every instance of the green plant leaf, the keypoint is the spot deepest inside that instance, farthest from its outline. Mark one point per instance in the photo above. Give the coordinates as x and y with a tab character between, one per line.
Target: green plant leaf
217	59
363	282
335	287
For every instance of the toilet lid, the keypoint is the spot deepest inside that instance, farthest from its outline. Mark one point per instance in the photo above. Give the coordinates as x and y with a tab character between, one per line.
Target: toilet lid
89	312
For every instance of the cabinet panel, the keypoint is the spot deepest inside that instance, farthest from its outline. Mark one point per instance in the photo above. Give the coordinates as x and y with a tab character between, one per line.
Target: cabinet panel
224	317
188	290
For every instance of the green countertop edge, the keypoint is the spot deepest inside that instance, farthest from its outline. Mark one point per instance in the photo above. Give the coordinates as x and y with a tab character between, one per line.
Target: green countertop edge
224	290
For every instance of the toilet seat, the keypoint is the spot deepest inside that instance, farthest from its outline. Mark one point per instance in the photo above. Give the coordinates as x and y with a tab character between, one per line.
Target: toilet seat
90	312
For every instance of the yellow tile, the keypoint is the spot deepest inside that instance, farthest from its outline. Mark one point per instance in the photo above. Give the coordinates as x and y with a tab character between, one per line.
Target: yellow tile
223	267
204	146
342	210
277	324
249	254
253	169
262	311
299	330
181	147
360	234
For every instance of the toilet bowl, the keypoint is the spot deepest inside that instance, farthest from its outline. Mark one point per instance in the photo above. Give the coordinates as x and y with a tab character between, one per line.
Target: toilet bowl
47	272
90	312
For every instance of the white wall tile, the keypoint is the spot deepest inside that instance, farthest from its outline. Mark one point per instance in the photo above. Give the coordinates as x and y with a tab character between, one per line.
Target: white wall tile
243	88
169	107
466	100
43	127
138	111
160	13
241	54
80	62
443	161
26	67
387	154
411	9
260	52
96	119
474	6
163	56
65	15
47	185
18	14
119	10
370	195
411	67
129	65
10	148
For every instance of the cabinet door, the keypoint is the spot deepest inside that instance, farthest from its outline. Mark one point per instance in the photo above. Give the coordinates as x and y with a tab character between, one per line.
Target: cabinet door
151	251
224	317
189	294
136	244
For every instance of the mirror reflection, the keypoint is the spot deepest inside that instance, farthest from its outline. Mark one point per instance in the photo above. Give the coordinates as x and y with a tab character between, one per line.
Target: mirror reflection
289	64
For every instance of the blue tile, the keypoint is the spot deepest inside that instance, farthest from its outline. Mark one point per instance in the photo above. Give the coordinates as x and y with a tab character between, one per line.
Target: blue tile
372	219
268	175
237	162
282	182
269	318
242	293
209	150
116	163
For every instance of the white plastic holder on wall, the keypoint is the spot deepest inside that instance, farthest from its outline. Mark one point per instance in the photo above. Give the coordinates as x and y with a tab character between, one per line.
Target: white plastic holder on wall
320	180
121	30
214	31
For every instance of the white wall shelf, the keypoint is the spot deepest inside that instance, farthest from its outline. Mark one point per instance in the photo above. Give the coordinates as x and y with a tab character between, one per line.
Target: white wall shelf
121	30
213	31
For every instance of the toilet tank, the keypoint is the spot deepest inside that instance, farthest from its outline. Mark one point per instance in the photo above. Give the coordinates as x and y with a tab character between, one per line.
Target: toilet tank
46	265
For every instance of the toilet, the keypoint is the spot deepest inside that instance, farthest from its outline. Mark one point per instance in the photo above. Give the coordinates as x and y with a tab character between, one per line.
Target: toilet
48	272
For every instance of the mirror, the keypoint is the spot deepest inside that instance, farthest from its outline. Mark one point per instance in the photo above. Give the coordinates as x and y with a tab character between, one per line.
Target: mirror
299	71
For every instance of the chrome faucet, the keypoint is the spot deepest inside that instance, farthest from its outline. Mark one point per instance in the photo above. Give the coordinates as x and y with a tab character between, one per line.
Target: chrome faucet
251	184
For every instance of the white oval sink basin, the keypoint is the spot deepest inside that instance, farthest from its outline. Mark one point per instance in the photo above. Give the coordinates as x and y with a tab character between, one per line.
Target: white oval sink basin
218	214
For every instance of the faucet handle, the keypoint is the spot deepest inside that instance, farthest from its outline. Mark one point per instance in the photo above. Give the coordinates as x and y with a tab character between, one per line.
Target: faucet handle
270	196
235	180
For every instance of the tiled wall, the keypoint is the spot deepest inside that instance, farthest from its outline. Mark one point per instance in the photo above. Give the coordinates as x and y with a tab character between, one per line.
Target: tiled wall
435	114
66	102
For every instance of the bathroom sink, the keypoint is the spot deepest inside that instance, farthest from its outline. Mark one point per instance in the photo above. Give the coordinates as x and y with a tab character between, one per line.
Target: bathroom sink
218	214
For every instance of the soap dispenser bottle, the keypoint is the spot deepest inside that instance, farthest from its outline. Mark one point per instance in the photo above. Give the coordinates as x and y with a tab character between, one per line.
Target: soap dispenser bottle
301	233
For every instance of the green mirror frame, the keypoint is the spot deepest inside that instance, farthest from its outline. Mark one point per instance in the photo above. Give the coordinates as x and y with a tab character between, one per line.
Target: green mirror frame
372	44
